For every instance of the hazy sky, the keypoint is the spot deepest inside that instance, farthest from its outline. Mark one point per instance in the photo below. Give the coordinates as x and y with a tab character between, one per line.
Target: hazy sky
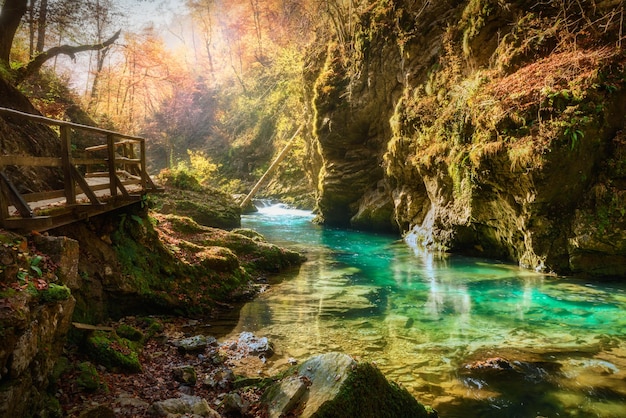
159	12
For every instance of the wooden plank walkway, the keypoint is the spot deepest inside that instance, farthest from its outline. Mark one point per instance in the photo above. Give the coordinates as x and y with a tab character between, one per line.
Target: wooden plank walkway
106	176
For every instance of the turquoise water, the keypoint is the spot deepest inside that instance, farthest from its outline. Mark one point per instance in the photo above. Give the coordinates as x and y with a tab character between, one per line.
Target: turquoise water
470	337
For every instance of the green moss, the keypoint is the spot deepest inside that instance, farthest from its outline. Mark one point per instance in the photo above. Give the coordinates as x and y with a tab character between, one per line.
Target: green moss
385	399
153	326
61	366
473	20
84	311
130	333
7	292
250	233
207	206
54	293
144	260
208	215
256	256
51	407
113	352
185	224
88	378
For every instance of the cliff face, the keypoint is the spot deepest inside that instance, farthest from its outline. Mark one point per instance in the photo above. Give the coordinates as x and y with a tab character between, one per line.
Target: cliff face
486	127
35	317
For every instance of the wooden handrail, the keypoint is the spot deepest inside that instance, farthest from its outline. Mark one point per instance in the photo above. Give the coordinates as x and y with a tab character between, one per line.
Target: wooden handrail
56	122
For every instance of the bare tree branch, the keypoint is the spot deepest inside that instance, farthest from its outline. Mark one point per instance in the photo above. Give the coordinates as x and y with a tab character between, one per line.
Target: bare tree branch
35	64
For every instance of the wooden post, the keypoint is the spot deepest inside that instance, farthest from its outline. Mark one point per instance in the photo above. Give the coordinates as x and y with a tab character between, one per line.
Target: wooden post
14	195
66	158
112	173
143	168
270	170
4	203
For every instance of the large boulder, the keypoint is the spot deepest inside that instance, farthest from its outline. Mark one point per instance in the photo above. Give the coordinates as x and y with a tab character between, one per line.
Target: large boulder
335	385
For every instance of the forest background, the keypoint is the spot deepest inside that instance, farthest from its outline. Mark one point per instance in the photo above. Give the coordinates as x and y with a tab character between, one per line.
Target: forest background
216	86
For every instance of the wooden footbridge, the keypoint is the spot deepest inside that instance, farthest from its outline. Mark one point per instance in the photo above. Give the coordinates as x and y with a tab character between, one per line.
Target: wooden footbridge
100	178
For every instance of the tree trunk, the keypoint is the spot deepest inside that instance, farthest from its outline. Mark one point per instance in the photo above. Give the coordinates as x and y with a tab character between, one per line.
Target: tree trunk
42	21
10	18
31	28
95	95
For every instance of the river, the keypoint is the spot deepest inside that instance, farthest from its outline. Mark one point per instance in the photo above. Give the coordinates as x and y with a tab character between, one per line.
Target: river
470	337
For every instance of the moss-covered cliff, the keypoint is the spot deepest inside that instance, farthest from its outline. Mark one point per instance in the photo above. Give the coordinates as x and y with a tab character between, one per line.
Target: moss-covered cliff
486	127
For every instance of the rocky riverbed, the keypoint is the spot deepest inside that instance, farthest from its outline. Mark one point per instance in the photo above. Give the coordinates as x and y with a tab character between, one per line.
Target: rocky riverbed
185	373
180	373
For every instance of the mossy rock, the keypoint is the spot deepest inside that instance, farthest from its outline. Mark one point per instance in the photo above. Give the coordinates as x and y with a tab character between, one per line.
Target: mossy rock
207	215
88	378
154	326
256	255
207	206
186	375
219	259
250	233
54	293
185	224
340	387
113	352
367	393
51	406
128	332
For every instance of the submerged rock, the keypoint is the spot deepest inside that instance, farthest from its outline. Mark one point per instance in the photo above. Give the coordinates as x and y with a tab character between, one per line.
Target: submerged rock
335	385
255	345
509	378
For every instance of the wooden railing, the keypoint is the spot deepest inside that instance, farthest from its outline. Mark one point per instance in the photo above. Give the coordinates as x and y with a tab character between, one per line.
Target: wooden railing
106	176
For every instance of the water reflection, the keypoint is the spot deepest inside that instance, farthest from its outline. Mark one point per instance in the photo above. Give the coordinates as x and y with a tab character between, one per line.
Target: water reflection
431	322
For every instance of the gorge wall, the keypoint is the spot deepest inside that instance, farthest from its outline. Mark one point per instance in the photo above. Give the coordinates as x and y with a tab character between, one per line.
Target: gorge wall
35	317
491	128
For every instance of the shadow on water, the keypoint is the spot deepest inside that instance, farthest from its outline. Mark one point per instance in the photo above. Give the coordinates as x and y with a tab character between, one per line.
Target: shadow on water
227	316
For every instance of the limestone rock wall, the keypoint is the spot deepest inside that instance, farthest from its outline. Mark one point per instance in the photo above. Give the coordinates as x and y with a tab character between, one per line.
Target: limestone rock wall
480	127
33	330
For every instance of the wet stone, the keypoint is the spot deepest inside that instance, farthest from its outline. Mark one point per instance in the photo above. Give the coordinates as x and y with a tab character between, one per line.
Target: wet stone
194	344
255	345
286	396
